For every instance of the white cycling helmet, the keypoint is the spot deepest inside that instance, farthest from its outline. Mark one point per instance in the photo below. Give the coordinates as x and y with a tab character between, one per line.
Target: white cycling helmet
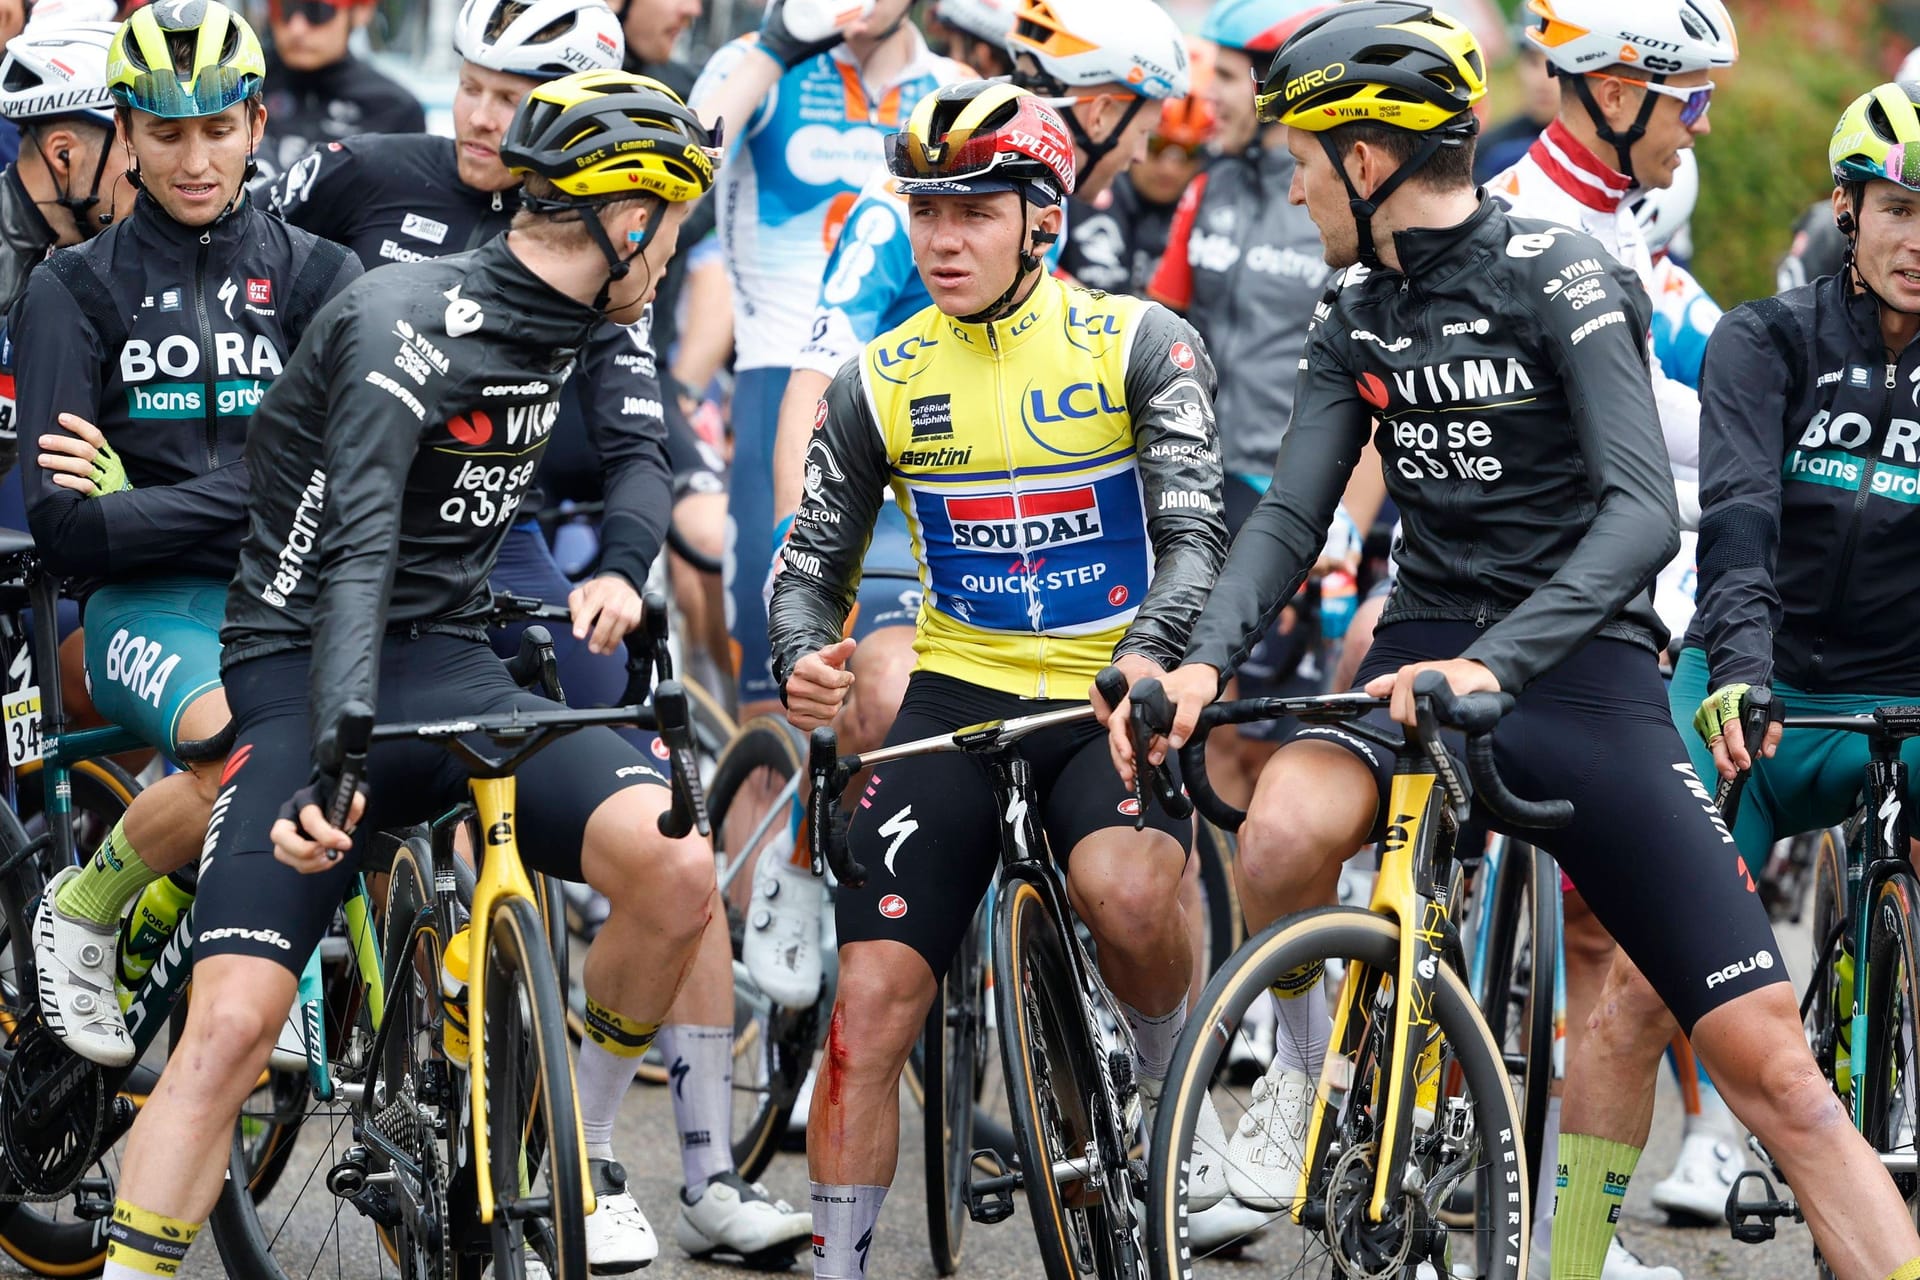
989	20
1663	213
1659	37
1078	44
57	70
539	39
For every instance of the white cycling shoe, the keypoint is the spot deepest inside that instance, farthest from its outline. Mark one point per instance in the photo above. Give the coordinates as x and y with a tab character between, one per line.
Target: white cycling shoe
1207	1162
1264	1153
738	1221
781	944
1621	1264
75	961
1703	1175
619	1237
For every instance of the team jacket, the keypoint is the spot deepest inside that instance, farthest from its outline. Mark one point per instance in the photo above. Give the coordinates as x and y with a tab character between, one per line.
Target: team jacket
1118	239
1508	373
308	109
1810	496
1060	473
1246	268
791	176
390	460
399	198
166	338
25	241
1562	181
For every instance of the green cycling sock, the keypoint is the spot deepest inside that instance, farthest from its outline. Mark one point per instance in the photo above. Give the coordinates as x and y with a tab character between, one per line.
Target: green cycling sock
113	878
1592	1181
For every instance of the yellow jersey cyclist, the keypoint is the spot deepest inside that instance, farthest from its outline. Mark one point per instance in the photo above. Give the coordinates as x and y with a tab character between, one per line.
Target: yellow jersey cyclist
1055	454
140	357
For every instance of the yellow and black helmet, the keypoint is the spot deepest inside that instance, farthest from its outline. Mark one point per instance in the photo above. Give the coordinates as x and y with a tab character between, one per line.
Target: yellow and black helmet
226	65
1389	62
1879	137
603	135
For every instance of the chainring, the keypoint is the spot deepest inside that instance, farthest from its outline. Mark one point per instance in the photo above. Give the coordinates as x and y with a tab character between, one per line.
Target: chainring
48	1143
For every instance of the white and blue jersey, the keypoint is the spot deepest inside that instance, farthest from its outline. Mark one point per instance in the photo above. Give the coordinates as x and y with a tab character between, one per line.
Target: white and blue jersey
791	177
871	284
1683	320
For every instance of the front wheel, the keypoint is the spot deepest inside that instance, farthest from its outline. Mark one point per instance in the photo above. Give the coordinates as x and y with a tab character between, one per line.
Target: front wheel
1472	1142
1519	970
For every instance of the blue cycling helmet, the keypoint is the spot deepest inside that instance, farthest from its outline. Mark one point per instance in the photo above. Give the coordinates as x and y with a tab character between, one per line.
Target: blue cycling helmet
1257	26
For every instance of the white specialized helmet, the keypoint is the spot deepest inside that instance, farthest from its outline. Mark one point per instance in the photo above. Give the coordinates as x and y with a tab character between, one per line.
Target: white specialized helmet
1077	44
1663	213
539	39
57	70
1909	65
989	20
1659	37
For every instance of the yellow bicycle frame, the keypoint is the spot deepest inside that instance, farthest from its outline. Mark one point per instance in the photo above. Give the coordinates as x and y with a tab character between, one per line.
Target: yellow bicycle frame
1411	804
502	876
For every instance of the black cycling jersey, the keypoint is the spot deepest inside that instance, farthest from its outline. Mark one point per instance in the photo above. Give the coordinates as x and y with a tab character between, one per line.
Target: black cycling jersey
1809	496
1508	371
165	337
1117	239
399	198
1818	249
25	241
389	462
307	109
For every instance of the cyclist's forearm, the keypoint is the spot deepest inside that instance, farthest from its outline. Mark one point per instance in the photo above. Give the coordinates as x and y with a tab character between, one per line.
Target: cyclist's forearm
797	411
707	337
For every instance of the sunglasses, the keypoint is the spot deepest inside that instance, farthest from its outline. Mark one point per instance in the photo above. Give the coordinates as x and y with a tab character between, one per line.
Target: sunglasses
1693	102
317	12
1157	146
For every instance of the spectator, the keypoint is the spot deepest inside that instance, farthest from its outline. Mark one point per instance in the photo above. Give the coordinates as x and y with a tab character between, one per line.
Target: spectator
318	91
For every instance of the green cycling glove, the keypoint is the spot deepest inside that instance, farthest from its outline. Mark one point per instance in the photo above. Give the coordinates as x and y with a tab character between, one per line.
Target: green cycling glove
109	475
1719	709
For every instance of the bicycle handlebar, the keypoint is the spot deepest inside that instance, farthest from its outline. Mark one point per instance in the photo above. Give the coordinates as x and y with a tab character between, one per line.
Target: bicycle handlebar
828	775
1112	684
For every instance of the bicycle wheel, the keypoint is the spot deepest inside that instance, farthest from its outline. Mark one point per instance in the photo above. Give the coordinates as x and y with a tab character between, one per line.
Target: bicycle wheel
1213	848
1078	1185
1521	960
1889	1079
950	1049
533	1123
1472	1143
1823	995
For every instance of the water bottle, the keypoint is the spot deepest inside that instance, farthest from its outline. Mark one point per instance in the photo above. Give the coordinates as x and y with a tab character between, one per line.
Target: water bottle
454	968
1843	1022
811	20
144	931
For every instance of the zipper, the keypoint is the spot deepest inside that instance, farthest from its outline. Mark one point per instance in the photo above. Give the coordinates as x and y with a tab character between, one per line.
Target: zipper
207	351
1853	527
1013	488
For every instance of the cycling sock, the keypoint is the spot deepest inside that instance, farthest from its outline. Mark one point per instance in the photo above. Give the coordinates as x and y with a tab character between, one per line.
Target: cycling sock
1549	1193
700	1072
1153	1038
1909	1270
610	1052
112	878
1300	1005
1593	1174
843	1219
142	1244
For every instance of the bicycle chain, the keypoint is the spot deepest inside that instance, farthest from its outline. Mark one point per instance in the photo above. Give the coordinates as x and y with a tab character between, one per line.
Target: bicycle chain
34	1053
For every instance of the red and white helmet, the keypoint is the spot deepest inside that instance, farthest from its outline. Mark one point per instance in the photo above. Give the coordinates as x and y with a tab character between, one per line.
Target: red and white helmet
1080	44
1659	37
979	136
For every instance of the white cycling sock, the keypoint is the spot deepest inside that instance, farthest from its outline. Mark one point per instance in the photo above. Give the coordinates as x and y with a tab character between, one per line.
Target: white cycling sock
1549	1182
700	1074
600	1080
1153	1038
843	1220
1303	1028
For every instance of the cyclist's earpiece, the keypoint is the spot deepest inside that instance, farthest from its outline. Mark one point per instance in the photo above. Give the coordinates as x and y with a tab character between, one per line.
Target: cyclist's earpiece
1845	224
1043	239
64	155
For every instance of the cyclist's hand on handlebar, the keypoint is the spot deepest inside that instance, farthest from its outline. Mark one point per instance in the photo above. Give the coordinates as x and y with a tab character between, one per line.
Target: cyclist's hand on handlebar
1135	668
818	686
1464	675
312	844
604	610
1189	690
1718	724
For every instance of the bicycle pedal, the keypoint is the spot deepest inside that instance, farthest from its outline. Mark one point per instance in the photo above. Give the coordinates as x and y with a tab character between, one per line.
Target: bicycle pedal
990	1199
1753	1221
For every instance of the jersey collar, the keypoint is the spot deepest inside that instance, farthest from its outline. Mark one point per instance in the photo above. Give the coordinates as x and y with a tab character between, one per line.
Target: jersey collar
1039	314
1429	255
226	230
1570	166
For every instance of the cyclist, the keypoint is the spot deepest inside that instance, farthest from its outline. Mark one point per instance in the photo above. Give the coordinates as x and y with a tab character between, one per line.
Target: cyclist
806	120
1532	532
1783	492
140	357
1119	59
318	91
1022	609
364	572
64	188
416	195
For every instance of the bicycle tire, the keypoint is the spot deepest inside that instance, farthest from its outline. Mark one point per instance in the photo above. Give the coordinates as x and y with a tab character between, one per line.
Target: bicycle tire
1527	892
1054	1091
950	1071
1360	938
1829	939
529	1078
1890	1081
1213	849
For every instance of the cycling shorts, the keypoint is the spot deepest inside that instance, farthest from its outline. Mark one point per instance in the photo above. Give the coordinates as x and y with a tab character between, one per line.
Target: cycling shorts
1813	781
153	647
1646	847
526	567
928	831
250	903
756	417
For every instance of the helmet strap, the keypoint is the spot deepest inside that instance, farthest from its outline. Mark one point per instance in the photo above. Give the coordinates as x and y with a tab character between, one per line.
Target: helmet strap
1621	141
619	265
1026	263
1850	265
78	207
1097	151
1364	207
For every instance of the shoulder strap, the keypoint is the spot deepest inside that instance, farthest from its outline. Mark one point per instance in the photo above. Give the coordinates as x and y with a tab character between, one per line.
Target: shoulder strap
310	286
1784	329
95	300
